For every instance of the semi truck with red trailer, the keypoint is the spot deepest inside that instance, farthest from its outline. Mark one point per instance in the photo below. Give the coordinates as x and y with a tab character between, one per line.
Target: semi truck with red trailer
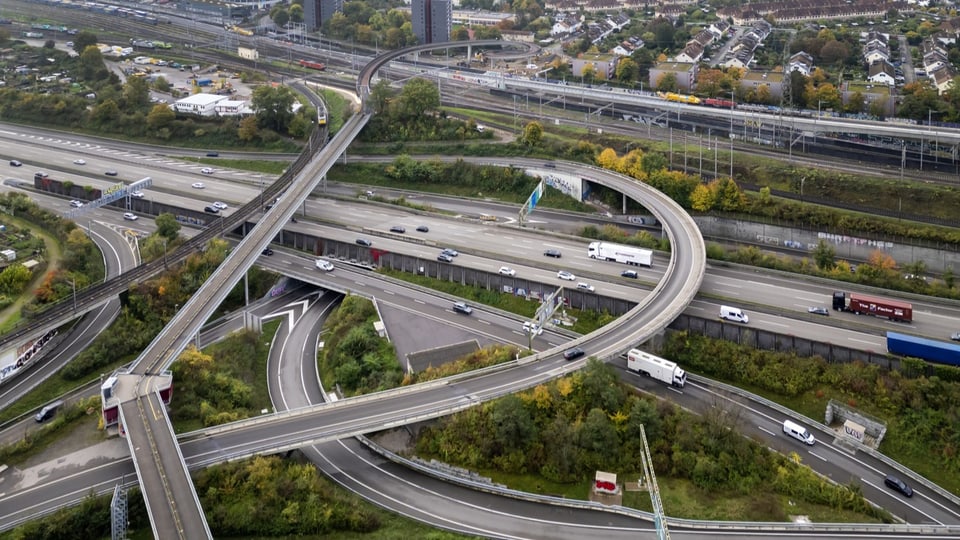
863	304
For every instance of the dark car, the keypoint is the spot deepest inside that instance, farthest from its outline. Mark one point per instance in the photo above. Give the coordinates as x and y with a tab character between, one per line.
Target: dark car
819	310
111	173
461	307
213	154
267	251
398	229
555	253
443	257
364	242
573	354
423	228
550	165
897	484
629	273
211	210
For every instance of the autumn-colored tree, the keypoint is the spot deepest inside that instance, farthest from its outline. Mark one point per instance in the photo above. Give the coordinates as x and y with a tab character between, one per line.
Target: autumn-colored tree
248	130
881	260
702	198
608	159
667	83
532	134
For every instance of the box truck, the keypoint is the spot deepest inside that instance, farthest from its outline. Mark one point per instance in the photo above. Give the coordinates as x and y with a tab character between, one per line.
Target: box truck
656	367
861	304
923	348
621	254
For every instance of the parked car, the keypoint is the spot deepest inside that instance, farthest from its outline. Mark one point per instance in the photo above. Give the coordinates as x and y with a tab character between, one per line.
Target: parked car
629	274
220	205
507	271
398	229
198	185
563	274
443	257
210	209
79	162
130	216
364	242
899	485
423	228
573	354
583	286
461	307
819	310
76	204
555	253
111	172
15	163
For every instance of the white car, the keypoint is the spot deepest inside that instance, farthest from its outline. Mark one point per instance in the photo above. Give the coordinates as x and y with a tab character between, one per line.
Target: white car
507	271
206	170
563	274
532	328
138	195
79	162
585	287
197	185
220	205
130	216
76	204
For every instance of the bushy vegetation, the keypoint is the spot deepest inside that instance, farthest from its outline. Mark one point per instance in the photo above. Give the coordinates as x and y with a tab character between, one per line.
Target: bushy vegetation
919	404
354	357
224	382
485	357
64	420
567	429
89	519
413	115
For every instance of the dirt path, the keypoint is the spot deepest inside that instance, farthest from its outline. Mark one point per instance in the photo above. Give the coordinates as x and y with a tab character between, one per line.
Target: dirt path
53	255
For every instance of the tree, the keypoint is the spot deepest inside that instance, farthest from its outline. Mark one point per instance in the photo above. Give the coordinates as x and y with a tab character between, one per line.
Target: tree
702	198
380	94
14	278
91	62
727	194
105	113
667	83
532	133
856	103
160	116
280	17
608	159
49	44
247	131
167	226
273	107
834	52
296	13
84	39
136	93
824	256
627	70
653	161
418	97
512	424
161	84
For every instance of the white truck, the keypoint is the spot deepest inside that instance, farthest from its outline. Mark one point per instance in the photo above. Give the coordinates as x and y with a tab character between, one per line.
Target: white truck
619	253
656	367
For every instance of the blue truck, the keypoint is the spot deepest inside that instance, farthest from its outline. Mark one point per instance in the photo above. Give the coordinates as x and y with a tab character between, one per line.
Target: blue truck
931	350
204	82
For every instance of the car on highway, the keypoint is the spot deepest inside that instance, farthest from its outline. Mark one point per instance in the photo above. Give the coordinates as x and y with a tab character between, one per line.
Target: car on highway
111	172
507	271
364	242
555	253
955	336
897	484
423	228
210	209
398	229
198	185
443	257
220	205
213	154
563	274
632	274
267	251
206	170
573	354
79	162
138	195
76	204
461	307
532	328
818	310
130	216
450	252
15	163
583	286
41	174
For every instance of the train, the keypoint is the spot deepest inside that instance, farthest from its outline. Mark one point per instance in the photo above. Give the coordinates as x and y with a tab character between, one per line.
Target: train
319	66
238	30
720	103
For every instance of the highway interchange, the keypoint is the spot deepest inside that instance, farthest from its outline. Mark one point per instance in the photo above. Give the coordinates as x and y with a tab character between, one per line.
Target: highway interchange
729	287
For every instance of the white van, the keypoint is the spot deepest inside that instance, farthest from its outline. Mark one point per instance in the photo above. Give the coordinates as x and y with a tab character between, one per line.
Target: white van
798	432
326	266
733	314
